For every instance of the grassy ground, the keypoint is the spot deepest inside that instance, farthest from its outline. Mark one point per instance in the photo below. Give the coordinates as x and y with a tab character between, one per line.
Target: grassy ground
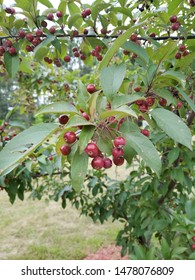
34	230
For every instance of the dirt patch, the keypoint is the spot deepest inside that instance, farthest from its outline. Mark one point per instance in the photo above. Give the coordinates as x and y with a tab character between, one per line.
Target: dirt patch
111	252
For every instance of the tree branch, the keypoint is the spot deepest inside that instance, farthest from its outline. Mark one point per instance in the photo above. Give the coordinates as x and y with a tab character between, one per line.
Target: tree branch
163	38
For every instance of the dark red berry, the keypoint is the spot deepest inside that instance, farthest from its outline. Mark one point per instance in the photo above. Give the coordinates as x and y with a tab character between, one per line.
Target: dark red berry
118	161
29	48
175	26
63	119
133	37
76	54
88	11
178	55
119	142
173	19
2	50
145	132
21	34
52	30
97	163
92	150
193	238
65	150
29	37
59	14
91	88
50	16
103	31
152	35
185	53
75	33
44	23
8	43
36	42
193	247
162	102
182	48
107	163
179	104
143	108
118	152
39	32
12	51
150	101
98	48
137	89
86	116
83	56
70	137
67	58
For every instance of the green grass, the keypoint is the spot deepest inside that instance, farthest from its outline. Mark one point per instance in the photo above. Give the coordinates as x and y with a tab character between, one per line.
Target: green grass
34	230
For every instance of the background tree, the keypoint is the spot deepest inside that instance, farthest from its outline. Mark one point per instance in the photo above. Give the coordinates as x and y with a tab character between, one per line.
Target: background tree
100	86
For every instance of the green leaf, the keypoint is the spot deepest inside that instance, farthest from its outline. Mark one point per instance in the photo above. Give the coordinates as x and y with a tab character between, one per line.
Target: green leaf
165	249
187	99
92	103
24	5
135	48
18	23
160	224
140	252
164	51
166	94
62	6
192	256
41	53
173	75
79	167
142	145
178	251
25	66
46	3
75	20
48	11
97	8
76	121
117	44
85	136
121	112
45	43
105	144
173	126
129	152
24	144
73	8
57	45
173	5
111	78
190	209
82	96
120	100
95	42
59	144
173	155
12	63
58	107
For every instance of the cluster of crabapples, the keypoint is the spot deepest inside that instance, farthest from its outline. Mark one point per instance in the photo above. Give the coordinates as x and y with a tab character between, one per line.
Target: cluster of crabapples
99	161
